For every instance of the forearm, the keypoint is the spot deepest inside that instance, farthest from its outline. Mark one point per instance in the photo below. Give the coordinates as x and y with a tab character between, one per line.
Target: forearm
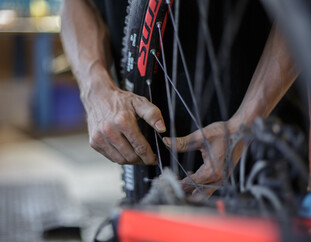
273	76
85	40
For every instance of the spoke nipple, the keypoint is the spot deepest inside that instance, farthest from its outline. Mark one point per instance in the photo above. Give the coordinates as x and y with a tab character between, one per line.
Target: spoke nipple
159	24
146	180
153	52
148	81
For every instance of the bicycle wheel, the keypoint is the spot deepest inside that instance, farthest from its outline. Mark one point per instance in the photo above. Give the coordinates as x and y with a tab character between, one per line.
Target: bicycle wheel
214	67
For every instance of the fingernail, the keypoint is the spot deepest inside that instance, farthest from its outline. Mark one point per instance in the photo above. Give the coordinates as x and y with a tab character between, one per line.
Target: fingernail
165	141
160	126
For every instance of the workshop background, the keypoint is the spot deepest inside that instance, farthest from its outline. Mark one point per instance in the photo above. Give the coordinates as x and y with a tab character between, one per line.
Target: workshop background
53	186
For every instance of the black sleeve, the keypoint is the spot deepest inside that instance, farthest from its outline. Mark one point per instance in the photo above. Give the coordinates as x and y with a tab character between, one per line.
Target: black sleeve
113	13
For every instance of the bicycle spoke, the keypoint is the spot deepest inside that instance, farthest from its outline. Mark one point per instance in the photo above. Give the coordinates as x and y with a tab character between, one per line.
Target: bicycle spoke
183	59
230	32
189	184
169	102
155	135
213	59
175	55
243	167
199	67
177	92
203	185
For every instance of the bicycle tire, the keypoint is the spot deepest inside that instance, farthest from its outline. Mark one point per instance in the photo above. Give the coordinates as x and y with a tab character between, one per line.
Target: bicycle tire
136	177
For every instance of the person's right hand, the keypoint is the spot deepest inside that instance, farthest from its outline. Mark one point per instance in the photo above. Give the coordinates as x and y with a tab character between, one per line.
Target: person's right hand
112	123
210	172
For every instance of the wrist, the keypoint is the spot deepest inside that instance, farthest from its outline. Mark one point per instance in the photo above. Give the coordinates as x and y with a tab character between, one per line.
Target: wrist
233	124
96	85
243	118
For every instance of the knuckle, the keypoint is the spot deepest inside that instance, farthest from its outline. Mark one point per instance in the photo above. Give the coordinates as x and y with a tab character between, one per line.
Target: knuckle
182	144
140	102
155	112
93	137
106	129
93	144
141	149
132	158
121	162
122	119
218	175
142	99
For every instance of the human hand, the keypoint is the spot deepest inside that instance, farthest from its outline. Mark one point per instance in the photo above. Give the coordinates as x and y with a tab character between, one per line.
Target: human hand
113	129
210	173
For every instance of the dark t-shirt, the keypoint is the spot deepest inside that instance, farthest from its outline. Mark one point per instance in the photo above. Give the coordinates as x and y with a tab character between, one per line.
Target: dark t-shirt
113	13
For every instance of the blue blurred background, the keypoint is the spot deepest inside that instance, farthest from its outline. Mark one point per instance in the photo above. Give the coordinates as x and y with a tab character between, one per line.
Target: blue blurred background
49	176
31	52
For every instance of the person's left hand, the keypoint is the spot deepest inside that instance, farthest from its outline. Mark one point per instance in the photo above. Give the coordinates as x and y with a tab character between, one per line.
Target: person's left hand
210	173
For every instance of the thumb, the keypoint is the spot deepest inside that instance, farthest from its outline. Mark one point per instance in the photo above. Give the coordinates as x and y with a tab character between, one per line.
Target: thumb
182	143
187	143
197	191
205	191
150	113
188	183
202	176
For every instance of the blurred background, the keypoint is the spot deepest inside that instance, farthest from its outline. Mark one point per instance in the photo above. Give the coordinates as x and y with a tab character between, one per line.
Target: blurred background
53	186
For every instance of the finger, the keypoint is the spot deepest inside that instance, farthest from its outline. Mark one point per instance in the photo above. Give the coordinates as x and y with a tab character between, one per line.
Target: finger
99	150
198	191
204	191
127	151
188	184
150	113
139	143
122	145
100	144
202	176
182	143
190	142
104	148
111	134
202	194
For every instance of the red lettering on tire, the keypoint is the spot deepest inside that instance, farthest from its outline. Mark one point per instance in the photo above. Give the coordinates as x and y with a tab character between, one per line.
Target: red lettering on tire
144	47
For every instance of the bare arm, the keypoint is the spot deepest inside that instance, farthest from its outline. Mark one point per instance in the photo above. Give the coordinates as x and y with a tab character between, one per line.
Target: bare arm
86	41
112	113
274	74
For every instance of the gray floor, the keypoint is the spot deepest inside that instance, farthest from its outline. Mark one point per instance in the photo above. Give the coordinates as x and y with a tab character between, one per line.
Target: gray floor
89	180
